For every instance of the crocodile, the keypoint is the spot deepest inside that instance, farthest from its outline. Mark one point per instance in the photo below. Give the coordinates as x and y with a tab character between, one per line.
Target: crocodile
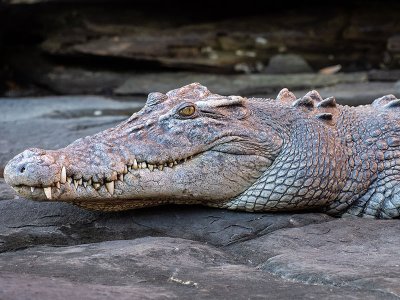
192	146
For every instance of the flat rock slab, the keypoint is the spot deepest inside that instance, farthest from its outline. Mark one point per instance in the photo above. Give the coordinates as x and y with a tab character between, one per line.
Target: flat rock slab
156	268
244	85
345	252
32	287
26	223
193	250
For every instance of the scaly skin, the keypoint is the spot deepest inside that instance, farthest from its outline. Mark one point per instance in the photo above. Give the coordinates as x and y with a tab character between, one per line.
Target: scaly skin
194	147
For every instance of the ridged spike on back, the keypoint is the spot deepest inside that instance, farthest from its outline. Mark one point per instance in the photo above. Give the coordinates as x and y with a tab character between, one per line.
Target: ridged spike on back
324	116
317	107
314	95
382	101
393	104
285	96
328	102
305	101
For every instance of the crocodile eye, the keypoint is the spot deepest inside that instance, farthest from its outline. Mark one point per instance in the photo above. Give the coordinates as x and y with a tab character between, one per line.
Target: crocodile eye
187	111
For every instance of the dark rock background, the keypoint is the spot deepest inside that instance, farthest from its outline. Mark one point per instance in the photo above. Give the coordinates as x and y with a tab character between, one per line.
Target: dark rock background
99	47
72	68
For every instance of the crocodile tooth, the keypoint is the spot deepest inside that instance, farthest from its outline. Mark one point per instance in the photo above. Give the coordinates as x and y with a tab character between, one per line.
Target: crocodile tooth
96	185
135	164
76	183
32	189
58	185
85	183
69	179
114	175
144	165
80	181
89	182
171	164
110	187
63	178
125	169
175	162
47	191
151	167
185	159
121	177
161	167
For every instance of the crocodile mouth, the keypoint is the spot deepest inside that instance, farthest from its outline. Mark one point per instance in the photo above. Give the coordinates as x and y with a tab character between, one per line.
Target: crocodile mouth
98	187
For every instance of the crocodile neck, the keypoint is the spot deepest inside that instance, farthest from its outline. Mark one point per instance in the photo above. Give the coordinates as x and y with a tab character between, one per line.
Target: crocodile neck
315	176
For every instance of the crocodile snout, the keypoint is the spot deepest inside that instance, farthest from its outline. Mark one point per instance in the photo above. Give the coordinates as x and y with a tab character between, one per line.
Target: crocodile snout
33	167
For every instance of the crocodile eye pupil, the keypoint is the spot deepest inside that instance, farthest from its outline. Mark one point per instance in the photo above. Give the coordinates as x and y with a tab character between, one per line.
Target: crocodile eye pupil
187	111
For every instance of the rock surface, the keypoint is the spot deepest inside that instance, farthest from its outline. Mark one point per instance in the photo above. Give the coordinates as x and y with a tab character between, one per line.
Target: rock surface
28	223
344	252
89	47
384	75
287	64
245	85
157	268
175	252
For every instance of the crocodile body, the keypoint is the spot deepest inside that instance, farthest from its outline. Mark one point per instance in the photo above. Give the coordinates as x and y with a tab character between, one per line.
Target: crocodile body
191	146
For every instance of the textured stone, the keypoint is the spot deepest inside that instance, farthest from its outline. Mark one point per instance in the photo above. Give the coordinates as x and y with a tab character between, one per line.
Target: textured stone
393	44
287	64
29	223
384	75
357	254
150	267
224	44
246	85
346	252
397	87
76	81
112	37
23	286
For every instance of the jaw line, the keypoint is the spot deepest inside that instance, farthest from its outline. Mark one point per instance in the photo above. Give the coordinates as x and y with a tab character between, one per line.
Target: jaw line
38	193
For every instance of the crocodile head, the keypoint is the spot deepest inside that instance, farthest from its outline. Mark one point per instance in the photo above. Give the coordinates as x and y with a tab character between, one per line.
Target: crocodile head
186	146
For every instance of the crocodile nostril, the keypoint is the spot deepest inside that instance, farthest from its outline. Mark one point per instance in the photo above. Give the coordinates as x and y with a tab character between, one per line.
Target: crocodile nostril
22	170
